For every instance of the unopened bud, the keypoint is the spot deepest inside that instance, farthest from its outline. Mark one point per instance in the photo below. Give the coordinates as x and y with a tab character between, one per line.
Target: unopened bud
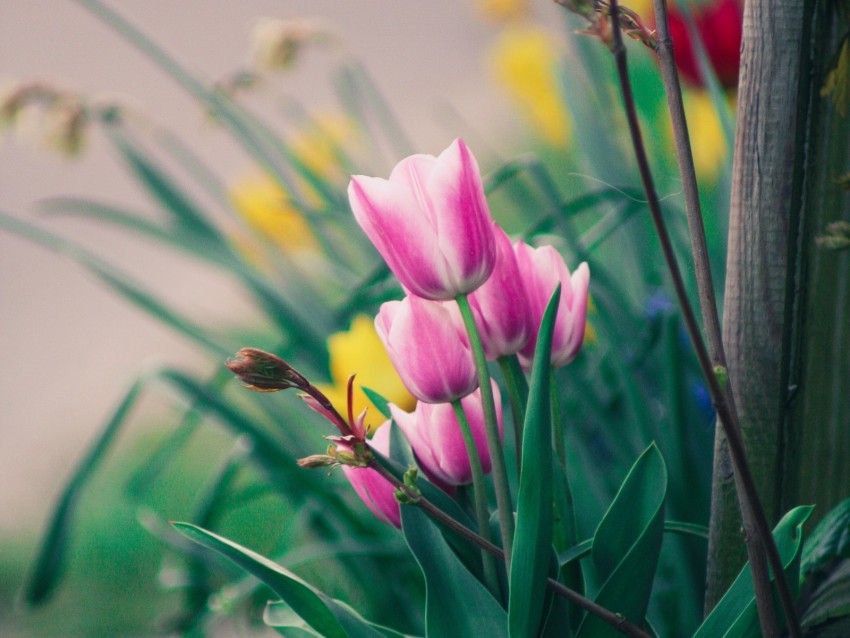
317	460
66	126
721	374
264	372
277	43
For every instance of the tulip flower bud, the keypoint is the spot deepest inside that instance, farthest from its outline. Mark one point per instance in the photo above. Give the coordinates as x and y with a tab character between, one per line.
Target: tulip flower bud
435	436
428	350
371	487
542	269
264	372
500	305
430	222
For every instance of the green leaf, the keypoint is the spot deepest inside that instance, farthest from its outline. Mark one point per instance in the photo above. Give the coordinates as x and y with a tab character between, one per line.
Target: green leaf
456	603
735	616
50	559
831	599
380	402
329	617
402	458
278	614
532	545
582	549
120	283
837	82
830	540
184	212
627	544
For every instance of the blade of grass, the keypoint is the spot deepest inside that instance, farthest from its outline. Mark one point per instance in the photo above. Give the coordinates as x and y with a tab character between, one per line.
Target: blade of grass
123	285
50	559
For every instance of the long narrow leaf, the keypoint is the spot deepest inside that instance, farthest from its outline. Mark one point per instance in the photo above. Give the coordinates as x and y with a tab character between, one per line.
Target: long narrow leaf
117	281
533	540
735	616
627	544
452	592
50	559
327	616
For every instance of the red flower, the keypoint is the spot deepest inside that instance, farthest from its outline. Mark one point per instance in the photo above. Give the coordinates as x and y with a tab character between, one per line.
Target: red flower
719	24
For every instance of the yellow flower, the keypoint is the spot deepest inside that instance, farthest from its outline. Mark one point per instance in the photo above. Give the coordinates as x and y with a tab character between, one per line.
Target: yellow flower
316	146
524	63
708	143
269	210
500	10
359	351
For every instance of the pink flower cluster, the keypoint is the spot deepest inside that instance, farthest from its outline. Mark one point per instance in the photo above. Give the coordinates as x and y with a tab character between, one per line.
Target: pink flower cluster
431	224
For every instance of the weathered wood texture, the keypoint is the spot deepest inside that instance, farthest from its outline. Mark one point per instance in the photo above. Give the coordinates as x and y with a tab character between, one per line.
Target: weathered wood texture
817	458
757	265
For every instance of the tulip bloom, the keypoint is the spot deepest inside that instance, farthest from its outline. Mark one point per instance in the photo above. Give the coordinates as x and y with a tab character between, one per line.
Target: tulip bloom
720	25
434	434
500	305
430	222
371	487
542	269
428	350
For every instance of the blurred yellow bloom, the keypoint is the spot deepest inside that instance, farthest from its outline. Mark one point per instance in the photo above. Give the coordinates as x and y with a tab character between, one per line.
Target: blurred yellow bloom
359	351
643	8
524	62
500	10
708	143
590	334
269	210
317	146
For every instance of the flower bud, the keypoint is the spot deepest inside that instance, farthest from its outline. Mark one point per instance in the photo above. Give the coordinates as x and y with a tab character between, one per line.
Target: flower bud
371	487
434	434
428	350
264	372
543	269
500	305
430	222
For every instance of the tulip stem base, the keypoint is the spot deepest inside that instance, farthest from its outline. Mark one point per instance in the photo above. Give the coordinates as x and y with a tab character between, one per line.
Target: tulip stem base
482	511
517	387
491	427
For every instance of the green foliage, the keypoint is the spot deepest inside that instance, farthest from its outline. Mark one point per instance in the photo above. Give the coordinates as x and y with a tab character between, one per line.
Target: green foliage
735	616
530	563
627	544
634	383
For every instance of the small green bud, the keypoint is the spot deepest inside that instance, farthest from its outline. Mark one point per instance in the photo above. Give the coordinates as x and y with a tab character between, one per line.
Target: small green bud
410	477
721	374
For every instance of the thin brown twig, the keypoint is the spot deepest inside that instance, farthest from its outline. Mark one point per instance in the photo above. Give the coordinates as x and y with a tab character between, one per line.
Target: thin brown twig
617	621
759	537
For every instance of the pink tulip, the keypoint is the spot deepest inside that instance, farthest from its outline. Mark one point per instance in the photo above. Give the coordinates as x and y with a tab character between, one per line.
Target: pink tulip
500	305
435	436
371	487
542	269
428	350
430	222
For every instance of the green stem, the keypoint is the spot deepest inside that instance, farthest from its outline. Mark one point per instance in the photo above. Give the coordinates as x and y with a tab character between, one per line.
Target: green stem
558	434
564	504
617	621
517	387
482	512
491	425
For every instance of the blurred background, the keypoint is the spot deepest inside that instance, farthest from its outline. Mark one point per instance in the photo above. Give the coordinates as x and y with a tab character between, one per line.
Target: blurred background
350	87
72	346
